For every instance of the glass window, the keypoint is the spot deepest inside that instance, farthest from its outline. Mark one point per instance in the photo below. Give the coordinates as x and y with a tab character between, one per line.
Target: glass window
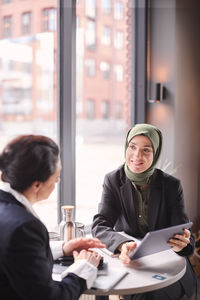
118	110
118	39
48	19
90	8
118	10
91	35
7	27
106	6
26	22
106	36
105	109
105	69
90	109
6	1
90	67
118	73
100	124
28	83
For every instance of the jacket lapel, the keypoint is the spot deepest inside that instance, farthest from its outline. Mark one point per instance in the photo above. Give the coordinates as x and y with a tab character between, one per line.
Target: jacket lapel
155	199
126	191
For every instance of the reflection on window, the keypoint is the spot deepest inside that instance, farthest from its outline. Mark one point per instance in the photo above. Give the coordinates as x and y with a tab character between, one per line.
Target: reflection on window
91	35
90	109
105	108
106	36
106	6
7	26
49	19
90	67
118	39
105	69
26	23
90	8
118	10
118	71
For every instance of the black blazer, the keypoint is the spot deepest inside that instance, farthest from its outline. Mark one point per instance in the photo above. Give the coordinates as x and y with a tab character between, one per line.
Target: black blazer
26	260
117	212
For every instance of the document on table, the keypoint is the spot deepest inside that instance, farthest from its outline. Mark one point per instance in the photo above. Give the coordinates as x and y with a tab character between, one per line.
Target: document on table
102	282
107	282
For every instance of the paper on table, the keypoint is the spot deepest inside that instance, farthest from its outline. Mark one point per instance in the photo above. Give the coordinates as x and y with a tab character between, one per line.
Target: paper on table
106	283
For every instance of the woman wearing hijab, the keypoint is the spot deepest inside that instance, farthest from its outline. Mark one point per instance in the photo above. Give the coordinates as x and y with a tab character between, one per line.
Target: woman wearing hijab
138	198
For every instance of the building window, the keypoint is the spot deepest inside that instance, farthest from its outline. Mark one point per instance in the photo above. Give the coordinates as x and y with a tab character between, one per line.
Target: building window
118	10
90	109
90	67
91	35
7	26
6	1
105	109
106	36
118	71
106	6
90	8
17	97
118	39
26	22
118	110
49	19
105	69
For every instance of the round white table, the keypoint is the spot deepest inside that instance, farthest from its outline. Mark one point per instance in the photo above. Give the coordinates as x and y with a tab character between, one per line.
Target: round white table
146	274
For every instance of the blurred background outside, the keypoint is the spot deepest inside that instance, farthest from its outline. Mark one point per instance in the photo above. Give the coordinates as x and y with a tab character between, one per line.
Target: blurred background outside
28	88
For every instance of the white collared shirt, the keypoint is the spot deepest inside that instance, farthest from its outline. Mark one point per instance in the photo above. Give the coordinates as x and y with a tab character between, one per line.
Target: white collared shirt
81	268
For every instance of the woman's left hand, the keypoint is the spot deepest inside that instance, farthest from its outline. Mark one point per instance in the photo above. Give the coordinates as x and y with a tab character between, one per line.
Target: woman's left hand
126	249
91	257
79	244
180	241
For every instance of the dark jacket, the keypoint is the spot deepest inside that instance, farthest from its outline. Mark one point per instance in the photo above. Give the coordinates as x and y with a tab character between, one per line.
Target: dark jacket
26	260
117	213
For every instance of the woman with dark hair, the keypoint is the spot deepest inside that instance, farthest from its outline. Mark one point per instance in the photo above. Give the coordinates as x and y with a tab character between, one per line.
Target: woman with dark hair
138	198
30	167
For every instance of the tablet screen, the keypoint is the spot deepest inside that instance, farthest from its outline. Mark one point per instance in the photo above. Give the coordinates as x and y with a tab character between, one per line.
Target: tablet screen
156	241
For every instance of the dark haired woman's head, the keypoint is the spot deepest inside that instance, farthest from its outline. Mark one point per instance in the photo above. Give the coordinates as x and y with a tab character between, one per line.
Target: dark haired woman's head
27	159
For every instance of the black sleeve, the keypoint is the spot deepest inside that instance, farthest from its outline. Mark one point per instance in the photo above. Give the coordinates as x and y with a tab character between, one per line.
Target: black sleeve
179	216
28	267
108	214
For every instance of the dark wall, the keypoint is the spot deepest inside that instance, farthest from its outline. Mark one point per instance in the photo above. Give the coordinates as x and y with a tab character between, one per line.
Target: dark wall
175	61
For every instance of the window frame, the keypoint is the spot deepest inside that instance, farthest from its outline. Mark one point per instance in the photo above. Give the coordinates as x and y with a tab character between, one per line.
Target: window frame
66	96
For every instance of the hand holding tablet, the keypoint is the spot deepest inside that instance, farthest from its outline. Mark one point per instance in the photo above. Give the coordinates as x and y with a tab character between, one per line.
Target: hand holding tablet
157	241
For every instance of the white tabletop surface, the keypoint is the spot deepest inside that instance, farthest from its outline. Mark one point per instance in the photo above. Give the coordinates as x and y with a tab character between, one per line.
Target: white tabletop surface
145	274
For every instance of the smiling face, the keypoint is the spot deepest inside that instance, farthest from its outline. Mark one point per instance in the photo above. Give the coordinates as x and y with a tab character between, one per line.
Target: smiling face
139	154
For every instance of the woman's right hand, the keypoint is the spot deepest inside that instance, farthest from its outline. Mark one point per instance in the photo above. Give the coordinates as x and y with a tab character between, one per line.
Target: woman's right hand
91	256
126	249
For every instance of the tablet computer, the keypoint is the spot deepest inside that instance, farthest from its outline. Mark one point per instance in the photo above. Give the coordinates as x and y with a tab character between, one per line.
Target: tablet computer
156	241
